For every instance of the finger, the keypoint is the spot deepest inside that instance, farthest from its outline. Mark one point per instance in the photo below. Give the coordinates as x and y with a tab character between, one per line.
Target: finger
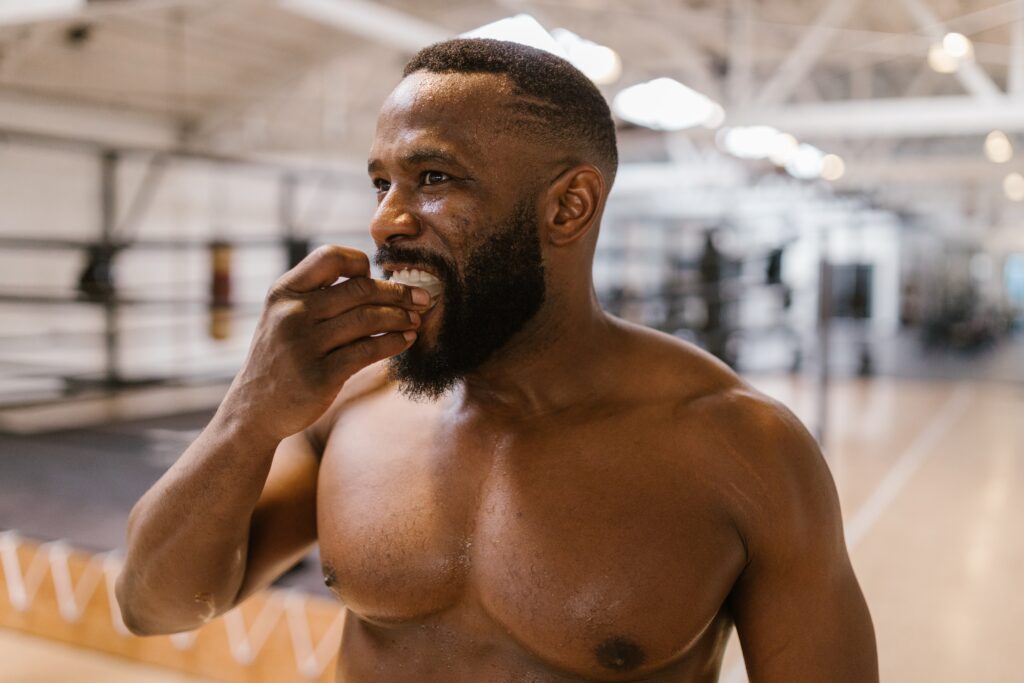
352	358
324	266
362	291
364	321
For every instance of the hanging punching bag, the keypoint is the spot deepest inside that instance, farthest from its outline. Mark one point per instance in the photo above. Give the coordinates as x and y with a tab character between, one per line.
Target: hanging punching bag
220	289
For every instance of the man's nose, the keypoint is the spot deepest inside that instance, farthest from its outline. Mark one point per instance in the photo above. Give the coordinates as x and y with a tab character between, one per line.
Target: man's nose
395	217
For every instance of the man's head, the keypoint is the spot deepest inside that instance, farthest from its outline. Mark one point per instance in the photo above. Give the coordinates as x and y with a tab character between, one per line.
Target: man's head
491	161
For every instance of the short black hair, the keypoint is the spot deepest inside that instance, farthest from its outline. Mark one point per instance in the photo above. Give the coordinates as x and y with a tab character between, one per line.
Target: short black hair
557	103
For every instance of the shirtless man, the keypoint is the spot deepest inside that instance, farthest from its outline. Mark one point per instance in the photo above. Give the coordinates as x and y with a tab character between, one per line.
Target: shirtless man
507	484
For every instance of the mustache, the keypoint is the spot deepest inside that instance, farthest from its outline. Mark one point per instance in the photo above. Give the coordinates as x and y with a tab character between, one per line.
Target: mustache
415	256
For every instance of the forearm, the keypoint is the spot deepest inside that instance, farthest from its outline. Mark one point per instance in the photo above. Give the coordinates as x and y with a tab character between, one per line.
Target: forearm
188	535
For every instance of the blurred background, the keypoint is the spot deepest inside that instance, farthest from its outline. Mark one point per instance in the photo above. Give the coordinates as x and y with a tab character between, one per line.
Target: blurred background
826	194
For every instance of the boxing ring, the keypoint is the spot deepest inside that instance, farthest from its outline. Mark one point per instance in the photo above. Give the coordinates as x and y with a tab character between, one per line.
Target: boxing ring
65	498
56	591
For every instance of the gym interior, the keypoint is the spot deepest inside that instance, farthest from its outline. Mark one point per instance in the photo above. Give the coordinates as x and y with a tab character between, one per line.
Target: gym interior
828	196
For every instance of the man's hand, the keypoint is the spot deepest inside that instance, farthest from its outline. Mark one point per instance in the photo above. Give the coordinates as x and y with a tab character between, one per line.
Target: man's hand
314	335
240	503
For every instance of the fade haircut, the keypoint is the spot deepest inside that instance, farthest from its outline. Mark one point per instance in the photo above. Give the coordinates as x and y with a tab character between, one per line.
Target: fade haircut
555	103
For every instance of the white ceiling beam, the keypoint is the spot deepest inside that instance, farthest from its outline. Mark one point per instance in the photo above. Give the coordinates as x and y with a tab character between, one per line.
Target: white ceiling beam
897	117
925	171
372	20
84	121
740	83
970	74
1015	82
804	56
853	42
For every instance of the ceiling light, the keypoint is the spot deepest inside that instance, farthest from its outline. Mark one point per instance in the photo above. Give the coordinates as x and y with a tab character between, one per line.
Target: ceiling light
750	142
832	167
958	46
946	55
1013	186
998	148
784	148
523	29
664	104
806	163
24	11
941	61
601	64
716	118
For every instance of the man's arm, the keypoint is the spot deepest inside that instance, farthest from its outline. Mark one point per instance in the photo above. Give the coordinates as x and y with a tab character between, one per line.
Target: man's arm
239	505
211	532
799	611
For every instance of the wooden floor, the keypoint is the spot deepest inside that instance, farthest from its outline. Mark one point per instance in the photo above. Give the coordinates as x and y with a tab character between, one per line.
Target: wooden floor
931	478
27	659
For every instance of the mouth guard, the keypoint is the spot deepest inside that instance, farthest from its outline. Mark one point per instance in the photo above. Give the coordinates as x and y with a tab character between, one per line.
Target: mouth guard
432	288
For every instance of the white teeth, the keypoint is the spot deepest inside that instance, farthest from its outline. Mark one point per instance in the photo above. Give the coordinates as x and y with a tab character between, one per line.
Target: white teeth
419	278
414	277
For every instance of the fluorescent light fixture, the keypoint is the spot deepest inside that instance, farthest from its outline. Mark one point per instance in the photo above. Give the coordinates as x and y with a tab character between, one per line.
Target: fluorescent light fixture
750	142
716	118
832	167
998	148
25	11
372	20
664	104
958	46
941	61
601	64
785	147
523	29
1013	186
947	55
806	164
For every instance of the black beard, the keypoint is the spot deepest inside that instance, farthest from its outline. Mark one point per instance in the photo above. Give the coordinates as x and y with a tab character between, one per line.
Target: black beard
500	290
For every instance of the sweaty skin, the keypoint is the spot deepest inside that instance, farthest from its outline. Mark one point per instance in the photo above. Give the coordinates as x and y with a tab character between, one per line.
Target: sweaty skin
598	502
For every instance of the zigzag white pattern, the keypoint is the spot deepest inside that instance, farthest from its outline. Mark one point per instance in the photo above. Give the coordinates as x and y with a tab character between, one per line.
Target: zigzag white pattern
245	643
309	660
22	588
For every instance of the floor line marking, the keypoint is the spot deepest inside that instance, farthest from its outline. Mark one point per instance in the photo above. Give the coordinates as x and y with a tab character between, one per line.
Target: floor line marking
919	450
895	480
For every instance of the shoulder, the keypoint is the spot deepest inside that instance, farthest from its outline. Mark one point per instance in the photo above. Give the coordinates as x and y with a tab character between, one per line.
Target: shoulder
785	500
764	464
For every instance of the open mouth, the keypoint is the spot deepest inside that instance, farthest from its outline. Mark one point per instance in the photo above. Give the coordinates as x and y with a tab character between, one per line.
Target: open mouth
414	277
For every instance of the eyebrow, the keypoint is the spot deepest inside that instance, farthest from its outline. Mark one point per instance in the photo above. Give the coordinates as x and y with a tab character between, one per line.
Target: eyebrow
418	156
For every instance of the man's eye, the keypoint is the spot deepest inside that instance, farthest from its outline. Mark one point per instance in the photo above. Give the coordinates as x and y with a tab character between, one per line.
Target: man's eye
434	177
381	185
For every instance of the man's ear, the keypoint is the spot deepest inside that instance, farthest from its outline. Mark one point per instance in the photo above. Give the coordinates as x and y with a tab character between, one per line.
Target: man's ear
572	204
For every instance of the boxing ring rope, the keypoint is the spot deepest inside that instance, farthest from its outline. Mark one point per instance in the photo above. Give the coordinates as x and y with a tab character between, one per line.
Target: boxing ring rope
275	618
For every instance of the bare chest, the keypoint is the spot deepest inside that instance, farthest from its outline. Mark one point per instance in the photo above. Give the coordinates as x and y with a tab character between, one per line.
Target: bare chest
582	545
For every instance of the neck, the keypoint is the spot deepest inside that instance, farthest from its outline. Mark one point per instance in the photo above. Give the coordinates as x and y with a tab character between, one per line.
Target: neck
555	362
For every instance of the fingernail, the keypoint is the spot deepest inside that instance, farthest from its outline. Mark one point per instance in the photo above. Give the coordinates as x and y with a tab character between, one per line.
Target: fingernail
421	297
414	317
409	336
